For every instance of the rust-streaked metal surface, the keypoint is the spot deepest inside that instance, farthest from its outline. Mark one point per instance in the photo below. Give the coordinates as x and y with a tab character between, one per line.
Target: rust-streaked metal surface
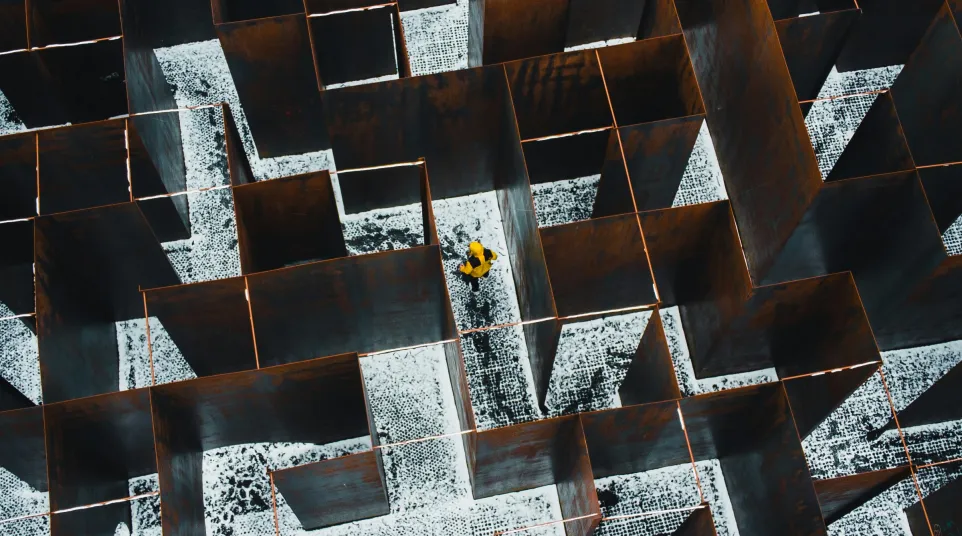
301	209
591	21
614	191
887	33
699	523
55	21
225	11
609	271
811	45
660	19
149	25
355	45
814	397
657	155
157	168
271	63
568	157
209	322
335	491
839	496
80	470
505	30
651	375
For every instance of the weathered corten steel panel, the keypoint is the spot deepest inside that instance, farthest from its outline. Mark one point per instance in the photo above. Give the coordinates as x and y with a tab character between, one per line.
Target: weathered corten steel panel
209	322
650	80
878	145
943	191
887	33
238	165
784	9
335	491
558	94
941	511
930	314
90	266
271	64
506	30
410	5
287	221
458	376
453	120
681	243
81	470
768	163
937	404
10	397
811	45
651	375
58	21
82	166
148	24
13	25
225	11
431	237
814	398
657	154
22	445
16	267
75	84
372	189
275	404
660	19
614	191
97	520
18	176
927	94
880	228
839	496
610	270
568	157
157	168
356	45
366	304
749	429
634	439
591	21
535	454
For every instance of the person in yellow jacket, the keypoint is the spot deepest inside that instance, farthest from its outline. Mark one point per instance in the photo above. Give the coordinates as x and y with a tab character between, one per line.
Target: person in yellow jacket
478	264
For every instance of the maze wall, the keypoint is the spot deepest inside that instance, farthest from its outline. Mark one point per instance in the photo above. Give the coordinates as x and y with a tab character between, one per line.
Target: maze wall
728	298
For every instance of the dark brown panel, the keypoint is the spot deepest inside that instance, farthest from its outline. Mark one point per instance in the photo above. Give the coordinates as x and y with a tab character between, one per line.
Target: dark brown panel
614	191
90	266
650	80
576	486
635	439
83	166
657	155
458	376
785	9
699	523
11	398
880	228
13	25
22	445
651	375
372	189
568	157
659	19
453	120
532	455
327	6
542	340
931	313
558	94
505	30
275	404
800	327
938	403
81	470
271	64
18	176
814	398
356	45
98	521
598	265
525	252
410	5
16	267
769	166
748	429
148	24
431	237
941	511
209	322
681	243
156	169
839	496
878	145
811	45
926	94
246	10
887	33
369	303
238	164
56	21
943	191
590	21
283	222
331	492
